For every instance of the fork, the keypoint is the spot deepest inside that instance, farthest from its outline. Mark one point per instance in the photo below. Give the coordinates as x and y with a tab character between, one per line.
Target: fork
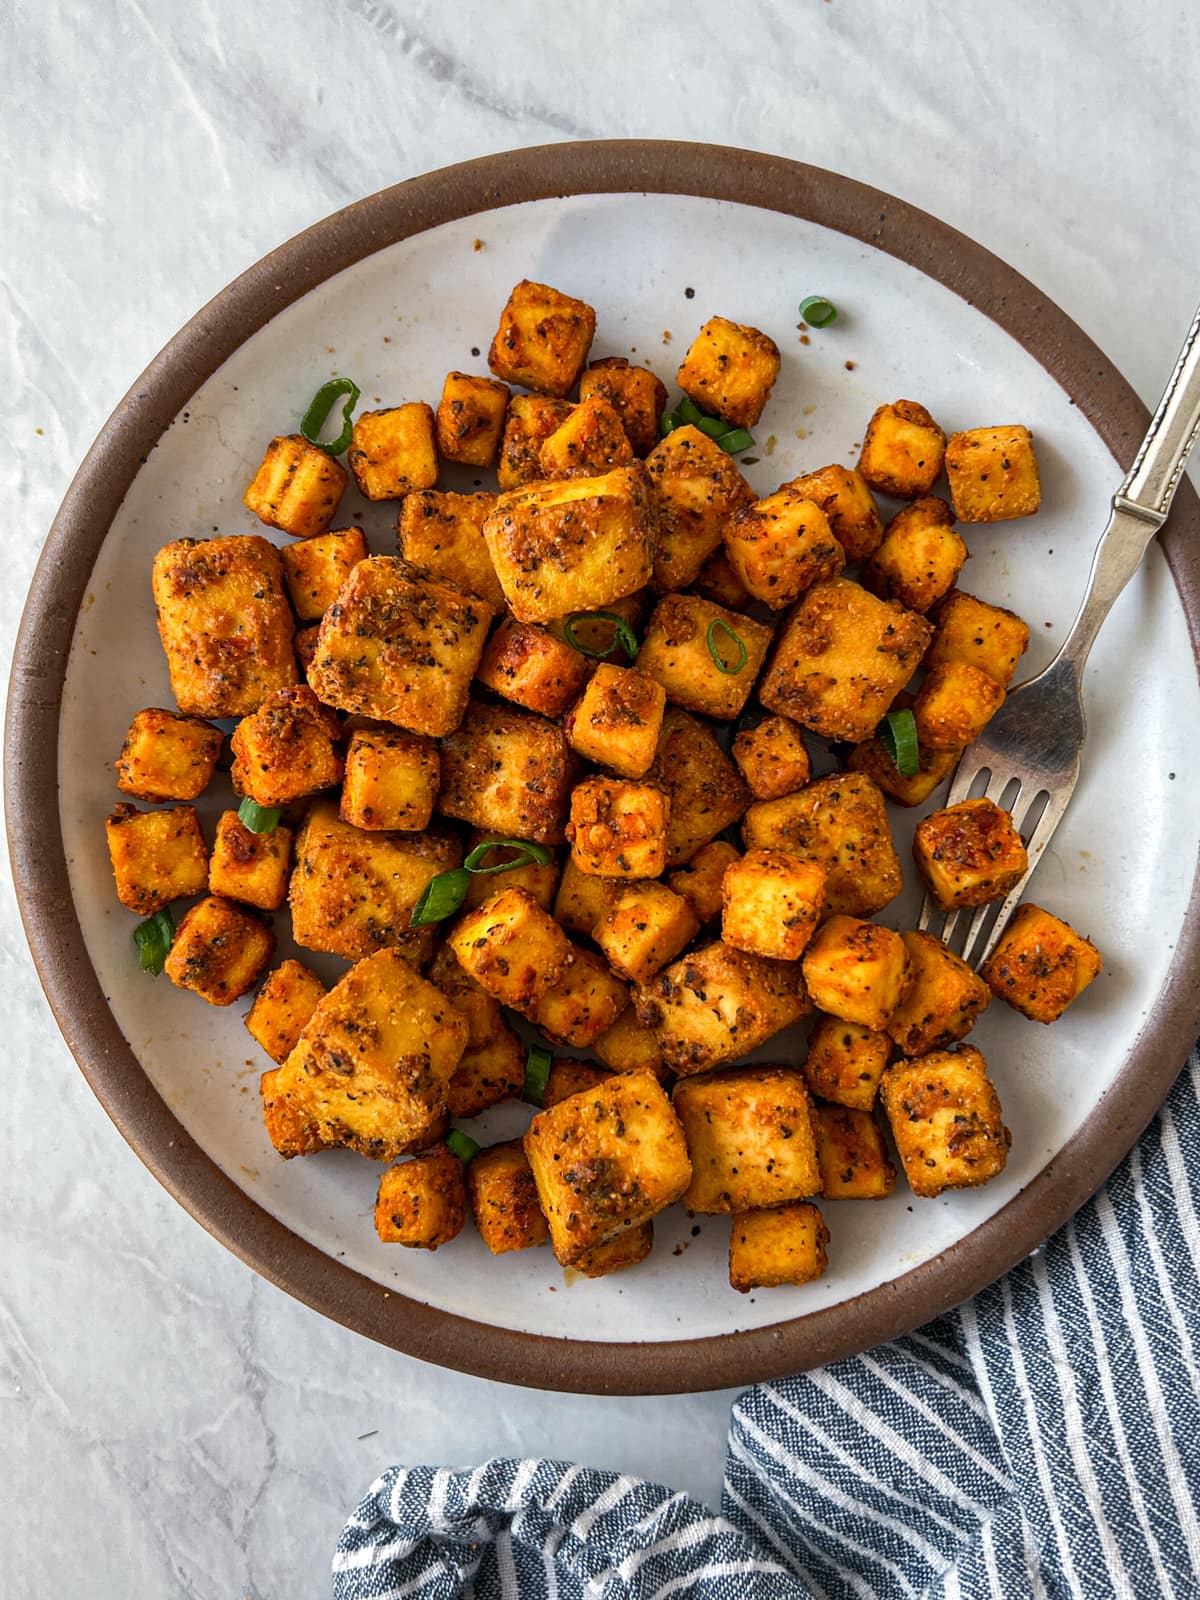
1028	757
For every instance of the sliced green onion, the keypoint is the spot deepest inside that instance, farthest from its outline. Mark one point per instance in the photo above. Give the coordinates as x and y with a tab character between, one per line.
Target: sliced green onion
667	423
441	897
153	939
897	734
817	311
537	1070
259	819
719	625
322	403
531	855
623	634
736	440
713	427
688	411
463	1146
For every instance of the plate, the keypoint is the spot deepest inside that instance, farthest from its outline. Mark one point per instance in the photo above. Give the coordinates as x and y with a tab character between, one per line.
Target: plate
396	290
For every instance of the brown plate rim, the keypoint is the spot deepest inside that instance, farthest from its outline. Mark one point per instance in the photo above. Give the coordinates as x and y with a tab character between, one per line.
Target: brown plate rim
31	771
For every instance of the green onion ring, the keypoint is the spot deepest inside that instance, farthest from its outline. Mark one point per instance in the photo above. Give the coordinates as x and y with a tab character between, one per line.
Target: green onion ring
533	855
623	634
719	624
537	1070
441	897
462	1145
152	939
259	819
321	404
897	733
817	311
736	440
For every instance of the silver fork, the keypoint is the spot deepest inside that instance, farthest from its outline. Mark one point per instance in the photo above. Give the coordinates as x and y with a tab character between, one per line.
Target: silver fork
1028	756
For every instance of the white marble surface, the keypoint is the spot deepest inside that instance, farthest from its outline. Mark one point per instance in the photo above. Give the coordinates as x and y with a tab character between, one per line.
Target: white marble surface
171	1424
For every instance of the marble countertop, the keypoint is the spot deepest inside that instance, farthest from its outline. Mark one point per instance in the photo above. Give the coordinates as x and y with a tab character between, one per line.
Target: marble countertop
173	1424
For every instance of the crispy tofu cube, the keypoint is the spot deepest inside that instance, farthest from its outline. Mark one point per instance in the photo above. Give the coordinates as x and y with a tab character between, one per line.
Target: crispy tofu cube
677	653
781	546
786	1244
248	866
751	1136
504	1199
698	487
487	1074
298	488
969	854
647	926
841	659
400	647
543	339
470	419
934	766
394	450
589	442
391	782
541	881
954	704
635	394
441	534
841	822
852	1156
971	631
618	829
583	1004
220	951
283	1008
772	903
730	370
167	757
508	773
532	668
512	949
287	749
573	546
920	558
845	1061
902	450
716	1004
286	1127
315	569
626	1250
707	795
483	1015
718	581
628	1046
844	497
1040	965
606	1161
773	758
531	419
583	900
946	1121
157	856
857	971
568	1077
700	881
618	721
224	623
944	1002
993	474
597	634
422	1203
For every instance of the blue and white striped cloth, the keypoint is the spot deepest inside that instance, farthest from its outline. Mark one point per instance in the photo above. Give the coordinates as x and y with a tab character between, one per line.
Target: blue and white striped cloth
1042	1440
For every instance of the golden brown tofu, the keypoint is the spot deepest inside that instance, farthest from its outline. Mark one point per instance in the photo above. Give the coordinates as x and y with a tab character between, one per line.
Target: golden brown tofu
157	856
845	1061
980	635
248	866
441	534
784	1245
224	623
773	901
781	546
969	854
543	339
841	659
852	1156
541	881
483	1016
470	419
512	948
700	881
587	443
954	704
946	1121
628	1046
635	394
751	1136
315	569
286	1127
841	822
773	758
508	773
394	451
618	829
626	1250
532	668
422	1203
944	1002
596	633
857	971
993	474
717	581
584	1003
487	1074
618	721
934	766
705	658
844	497
707	795
504	1199
400	647
305	644
567	1077
902	450
391	780
220	951
698	487
167	757
606	1161
531	419
647	926
283	1008
716	1004
298	488
583	900
1040	965
730	370
287	749
920	558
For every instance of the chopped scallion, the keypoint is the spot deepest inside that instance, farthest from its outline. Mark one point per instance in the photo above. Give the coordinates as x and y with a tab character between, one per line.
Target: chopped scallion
531	855
153	939
537	1070
719	625
817	311
322	403
623	635
736	440
259	819
463	1146
897	734
441	897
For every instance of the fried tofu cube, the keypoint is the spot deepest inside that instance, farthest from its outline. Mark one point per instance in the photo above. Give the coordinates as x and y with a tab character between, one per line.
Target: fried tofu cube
220	951
315	569
920	558
540	880
700	881
954	704
400	647
773	758
841	659
1040	965
969	854
971	631
589	442
618	829
751	1135
648	925
772	903
841	822
543	339
716	1004
224	622
487	1074
298	488
507	772
391	780
628	1046
606	1161
786	1244
852	1156
583	900
684	639
933	766
483	1016
781	546
568	1077
394	451
532	668
573	546
706	792
698	487
845	1061
902	450
844	496
946	1121
531	419
718	581
157	856
626	1250
441	534
286	1127
287	749
470	419
504	1199
583	1004
283	1008
167	757
422	1203
512	949
248	866
635	394
993	474
944	1002
857	971
618	721
730	370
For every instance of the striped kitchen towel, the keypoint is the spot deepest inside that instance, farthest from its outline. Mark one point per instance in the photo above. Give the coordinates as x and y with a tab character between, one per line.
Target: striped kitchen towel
1042	1440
